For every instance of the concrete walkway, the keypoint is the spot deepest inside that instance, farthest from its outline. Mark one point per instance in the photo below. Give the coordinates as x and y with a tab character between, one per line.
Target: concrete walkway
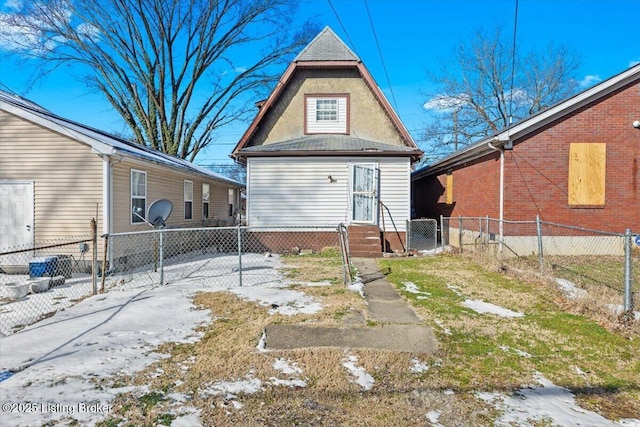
397	326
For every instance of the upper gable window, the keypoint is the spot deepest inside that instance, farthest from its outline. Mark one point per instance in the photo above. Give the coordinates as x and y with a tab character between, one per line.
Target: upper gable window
327	113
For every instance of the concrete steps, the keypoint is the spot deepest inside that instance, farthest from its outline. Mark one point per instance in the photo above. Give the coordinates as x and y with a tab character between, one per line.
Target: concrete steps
365	241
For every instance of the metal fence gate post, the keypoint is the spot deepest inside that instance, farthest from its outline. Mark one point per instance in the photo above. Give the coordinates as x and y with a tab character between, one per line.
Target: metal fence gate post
539	230
161	260
628	300
94	256
441	232
460	232
239	255
408	234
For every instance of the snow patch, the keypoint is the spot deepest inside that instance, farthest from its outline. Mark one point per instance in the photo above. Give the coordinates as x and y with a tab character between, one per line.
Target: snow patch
362	378
286	367
546	403
413	288
418	367
434	418
570	290
283	301
488	308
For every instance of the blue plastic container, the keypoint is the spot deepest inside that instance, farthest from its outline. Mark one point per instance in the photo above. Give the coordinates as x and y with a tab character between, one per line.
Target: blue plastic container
43	266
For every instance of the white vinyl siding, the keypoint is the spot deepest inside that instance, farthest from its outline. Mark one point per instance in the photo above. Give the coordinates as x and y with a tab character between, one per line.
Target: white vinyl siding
326	114
163	183
66	176
297	191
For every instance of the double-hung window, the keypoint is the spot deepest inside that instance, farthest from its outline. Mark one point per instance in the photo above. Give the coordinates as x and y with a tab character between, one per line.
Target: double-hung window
326	113
205	201
138	196
188	200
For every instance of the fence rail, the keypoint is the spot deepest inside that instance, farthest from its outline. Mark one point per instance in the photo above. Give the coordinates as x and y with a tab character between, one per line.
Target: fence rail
227	256
38	280
573	256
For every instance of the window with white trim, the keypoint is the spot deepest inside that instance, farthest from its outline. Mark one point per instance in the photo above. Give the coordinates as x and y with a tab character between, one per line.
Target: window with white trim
138	196
326	110
327	114
188	200
232	196
205	201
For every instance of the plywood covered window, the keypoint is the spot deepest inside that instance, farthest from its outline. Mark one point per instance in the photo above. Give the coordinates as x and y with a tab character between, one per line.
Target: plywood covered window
587	174
326	113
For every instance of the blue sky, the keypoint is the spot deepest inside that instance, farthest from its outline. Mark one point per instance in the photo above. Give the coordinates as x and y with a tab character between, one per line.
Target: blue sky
413	36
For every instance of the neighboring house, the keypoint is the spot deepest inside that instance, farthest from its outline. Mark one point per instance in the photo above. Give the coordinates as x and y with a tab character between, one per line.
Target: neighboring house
326	147
56	175
575	163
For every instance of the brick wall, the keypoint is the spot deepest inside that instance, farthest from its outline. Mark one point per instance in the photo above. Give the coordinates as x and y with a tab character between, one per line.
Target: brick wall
536	172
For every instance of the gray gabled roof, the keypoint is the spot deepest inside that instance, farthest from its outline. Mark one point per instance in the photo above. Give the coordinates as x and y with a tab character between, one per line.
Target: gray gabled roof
326	46
329	145
101	142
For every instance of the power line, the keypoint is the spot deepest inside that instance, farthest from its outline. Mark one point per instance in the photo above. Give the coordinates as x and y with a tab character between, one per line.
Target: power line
343	27
384	67
513	63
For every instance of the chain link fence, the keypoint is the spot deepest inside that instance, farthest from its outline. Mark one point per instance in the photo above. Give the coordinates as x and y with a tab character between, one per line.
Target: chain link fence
38	280
422	235
228	256
580	260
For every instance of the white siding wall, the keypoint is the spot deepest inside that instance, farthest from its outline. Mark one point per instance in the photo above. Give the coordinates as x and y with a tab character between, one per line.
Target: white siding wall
296	191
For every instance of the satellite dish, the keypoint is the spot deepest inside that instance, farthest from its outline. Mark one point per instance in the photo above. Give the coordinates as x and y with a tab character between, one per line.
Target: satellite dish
158	212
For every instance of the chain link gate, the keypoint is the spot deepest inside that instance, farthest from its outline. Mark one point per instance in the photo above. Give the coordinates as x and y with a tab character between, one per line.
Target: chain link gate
422	234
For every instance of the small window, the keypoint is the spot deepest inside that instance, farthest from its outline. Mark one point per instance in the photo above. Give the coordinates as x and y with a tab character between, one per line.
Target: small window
205	201
326	110
326	113
138	196
231	201
188	200
587	174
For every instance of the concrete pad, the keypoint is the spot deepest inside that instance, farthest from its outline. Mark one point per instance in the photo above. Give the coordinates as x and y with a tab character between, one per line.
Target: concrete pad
382	290
391	312
412	338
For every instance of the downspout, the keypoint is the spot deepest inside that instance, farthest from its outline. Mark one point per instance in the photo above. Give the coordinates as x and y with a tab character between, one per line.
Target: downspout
107	188
501	207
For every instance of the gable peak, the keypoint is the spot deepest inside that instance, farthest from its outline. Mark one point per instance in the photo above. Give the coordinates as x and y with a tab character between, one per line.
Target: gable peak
326	46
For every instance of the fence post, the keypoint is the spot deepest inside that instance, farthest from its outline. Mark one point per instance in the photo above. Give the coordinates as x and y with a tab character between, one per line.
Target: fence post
161	258
539	230
441	232
239	255
408	234
104	262
628	299
460	232
94	260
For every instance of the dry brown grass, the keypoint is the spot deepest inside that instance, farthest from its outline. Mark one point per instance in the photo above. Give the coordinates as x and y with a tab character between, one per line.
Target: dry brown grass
331	397
470	358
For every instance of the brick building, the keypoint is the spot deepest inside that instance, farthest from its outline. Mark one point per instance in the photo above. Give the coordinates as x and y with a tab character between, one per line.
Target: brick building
575	163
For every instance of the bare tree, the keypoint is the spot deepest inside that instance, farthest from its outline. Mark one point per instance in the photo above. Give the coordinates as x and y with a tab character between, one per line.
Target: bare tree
175	70
477	97
235	171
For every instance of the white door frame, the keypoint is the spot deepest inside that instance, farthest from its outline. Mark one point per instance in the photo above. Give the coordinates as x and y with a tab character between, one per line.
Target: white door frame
17	217
369	193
